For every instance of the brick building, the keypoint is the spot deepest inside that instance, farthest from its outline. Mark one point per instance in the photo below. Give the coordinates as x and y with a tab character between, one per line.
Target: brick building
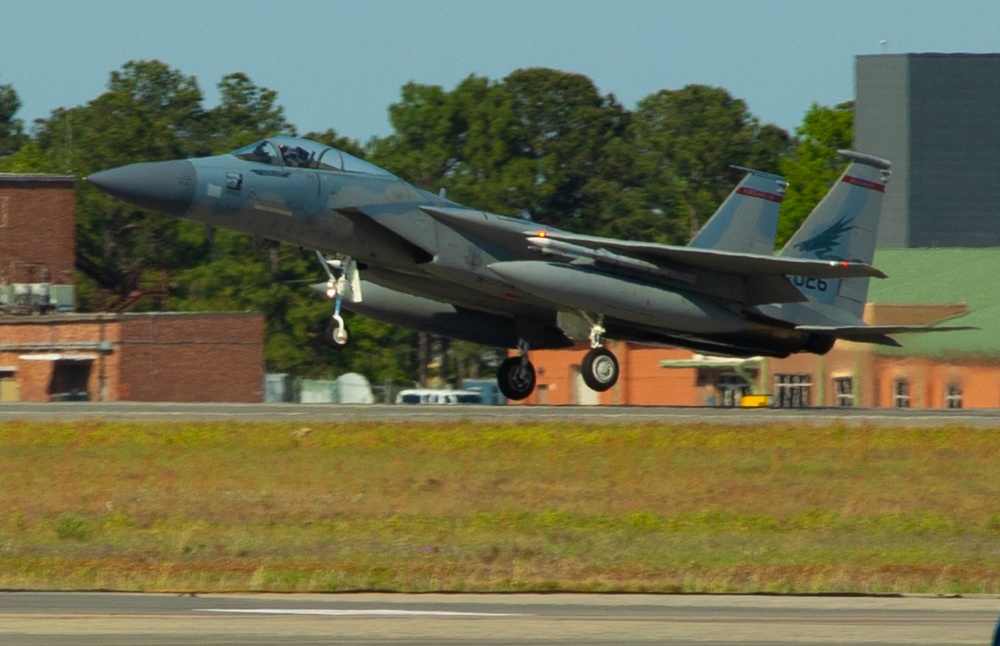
37	242
133	357
47	353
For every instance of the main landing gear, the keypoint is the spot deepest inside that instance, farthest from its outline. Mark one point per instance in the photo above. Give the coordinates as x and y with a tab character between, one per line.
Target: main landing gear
343	281
600	370
516	375
600	366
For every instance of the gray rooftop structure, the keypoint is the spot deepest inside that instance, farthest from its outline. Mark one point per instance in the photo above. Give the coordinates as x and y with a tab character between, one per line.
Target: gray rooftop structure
21	178
937	117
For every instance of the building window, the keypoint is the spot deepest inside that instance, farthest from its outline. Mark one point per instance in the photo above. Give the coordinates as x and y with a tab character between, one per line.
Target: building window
730	389
953	396
792	391
901	393
843	387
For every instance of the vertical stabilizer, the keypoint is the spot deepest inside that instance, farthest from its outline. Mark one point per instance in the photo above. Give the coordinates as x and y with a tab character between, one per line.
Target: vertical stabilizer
843	226
747	221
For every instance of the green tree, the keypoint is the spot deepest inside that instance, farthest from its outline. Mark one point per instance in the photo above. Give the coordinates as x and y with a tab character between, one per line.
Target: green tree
148	112
685	141
563	128
246	113
11	129
461	140
814	165
330	138
423	143
534	144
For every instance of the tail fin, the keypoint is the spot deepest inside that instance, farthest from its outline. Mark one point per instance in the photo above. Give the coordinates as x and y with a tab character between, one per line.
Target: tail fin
843	226
747	221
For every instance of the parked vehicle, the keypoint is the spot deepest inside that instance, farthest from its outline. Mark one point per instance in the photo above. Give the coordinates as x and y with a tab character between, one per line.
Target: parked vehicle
434	396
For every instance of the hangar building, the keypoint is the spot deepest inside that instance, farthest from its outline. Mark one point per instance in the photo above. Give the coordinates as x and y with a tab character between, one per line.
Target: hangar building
937	118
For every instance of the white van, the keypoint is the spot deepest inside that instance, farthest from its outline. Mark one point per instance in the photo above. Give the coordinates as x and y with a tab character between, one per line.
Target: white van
432	396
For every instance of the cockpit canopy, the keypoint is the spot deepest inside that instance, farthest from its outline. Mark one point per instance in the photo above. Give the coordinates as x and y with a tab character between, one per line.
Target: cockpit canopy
303	153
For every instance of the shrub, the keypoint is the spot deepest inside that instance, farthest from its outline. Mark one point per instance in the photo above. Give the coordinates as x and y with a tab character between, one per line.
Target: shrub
72	527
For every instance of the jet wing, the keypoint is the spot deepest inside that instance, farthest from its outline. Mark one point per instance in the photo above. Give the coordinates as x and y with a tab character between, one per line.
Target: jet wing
750	279
488	226
727	262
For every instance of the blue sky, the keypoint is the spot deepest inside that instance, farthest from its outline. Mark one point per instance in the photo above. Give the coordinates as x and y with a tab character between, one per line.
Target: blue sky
340	64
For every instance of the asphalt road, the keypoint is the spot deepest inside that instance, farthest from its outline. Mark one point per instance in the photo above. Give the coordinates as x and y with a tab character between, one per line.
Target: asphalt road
985	418
112	619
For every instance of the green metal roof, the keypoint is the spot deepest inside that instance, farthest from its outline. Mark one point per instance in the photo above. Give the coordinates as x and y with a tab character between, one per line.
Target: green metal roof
949	275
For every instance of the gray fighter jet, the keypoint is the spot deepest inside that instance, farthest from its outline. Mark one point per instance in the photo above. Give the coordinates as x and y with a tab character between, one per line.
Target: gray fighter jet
435	265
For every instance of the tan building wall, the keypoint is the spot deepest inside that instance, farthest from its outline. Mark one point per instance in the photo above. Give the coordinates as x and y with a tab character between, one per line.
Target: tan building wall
852	374
977	383
642	381
873	379
134	357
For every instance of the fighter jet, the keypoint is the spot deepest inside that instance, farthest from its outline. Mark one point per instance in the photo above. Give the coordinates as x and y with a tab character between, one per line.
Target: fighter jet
425	262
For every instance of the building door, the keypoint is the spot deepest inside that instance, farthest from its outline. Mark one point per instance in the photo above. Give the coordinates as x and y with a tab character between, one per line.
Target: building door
582	395
10	389
729	390
69	381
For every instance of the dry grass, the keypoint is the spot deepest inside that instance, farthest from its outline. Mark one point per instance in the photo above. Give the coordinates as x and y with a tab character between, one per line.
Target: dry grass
462	506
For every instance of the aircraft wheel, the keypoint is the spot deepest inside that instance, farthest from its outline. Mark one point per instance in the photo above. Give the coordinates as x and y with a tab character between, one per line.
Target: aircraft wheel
600	369
336	336
516	378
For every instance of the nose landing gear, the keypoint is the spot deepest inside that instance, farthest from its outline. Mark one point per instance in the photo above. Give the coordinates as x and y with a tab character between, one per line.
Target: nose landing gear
343	281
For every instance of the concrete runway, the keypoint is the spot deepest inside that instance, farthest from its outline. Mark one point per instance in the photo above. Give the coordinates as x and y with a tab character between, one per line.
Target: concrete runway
985	418
113	619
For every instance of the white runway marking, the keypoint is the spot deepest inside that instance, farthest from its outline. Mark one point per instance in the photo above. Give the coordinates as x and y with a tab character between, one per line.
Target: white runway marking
330	612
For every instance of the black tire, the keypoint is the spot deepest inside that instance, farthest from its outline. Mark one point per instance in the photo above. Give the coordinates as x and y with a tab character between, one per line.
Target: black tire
332	339
600	369
516	378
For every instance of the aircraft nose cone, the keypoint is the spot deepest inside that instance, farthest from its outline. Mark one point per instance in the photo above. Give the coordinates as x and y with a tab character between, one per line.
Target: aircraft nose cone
167	186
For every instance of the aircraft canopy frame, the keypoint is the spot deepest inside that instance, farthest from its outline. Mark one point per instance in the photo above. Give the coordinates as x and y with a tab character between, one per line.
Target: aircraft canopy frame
294	152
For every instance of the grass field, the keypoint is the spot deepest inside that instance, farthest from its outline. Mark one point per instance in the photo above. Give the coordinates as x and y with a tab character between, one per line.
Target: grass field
474	507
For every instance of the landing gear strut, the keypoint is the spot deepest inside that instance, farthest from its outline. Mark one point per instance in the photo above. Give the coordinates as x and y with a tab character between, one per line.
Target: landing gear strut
343	280
516	376
600	366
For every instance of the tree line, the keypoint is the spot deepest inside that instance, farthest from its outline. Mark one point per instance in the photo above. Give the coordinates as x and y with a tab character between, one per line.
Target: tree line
540	144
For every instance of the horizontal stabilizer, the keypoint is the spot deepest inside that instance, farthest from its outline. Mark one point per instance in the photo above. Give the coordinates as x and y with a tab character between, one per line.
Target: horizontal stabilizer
877	333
